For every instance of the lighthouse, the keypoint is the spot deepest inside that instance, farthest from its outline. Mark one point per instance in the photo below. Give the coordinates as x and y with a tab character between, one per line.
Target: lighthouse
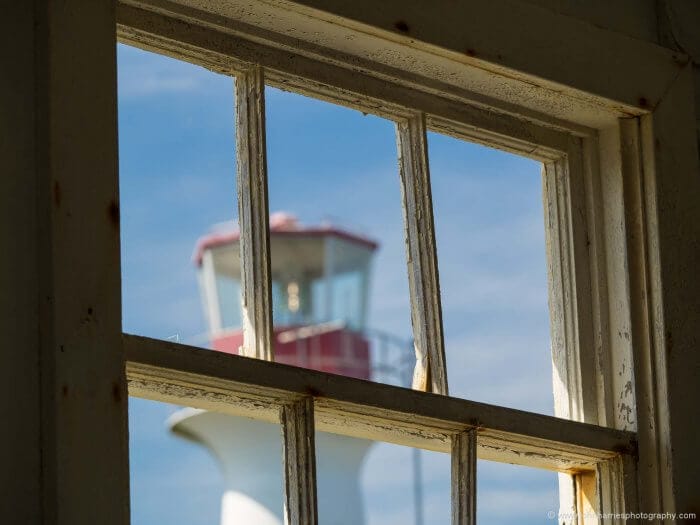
320	284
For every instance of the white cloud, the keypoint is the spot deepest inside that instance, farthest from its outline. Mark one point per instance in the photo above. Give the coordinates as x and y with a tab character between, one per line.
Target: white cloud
510	368
518	503
142	74
141	81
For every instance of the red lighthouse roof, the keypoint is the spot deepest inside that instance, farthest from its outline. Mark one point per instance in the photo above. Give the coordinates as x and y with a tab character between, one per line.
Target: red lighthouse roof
281	224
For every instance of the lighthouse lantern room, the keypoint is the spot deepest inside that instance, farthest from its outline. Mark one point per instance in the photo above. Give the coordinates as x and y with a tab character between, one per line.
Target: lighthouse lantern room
320	283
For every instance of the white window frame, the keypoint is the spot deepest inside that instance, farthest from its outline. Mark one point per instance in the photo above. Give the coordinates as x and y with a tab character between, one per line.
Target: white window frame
612	204
570	197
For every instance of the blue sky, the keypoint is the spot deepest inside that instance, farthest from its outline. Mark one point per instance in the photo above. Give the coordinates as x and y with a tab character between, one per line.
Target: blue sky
177	176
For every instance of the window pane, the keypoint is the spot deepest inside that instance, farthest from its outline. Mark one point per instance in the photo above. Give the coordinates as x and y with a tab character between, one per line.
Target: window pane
172	481
394	473
509	494
493	276
490	232
177	198
340	288
177	179
195	467
363	482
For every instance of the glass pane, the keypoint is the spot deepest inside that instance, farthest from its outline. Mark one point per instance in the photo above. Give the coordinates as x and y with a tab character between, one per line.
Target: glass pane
363	482
340	288
493	275
407	486
509	494
178	196
191	467
172	481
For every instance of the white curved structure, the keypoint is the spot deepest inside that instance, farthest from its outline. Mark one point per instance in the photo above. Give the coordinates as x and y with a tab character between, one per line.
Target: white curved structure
250	455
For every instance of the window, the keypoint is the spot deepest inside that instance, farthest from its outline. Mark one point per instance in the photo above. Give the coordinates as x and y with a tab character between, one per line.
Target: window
302	399
619	104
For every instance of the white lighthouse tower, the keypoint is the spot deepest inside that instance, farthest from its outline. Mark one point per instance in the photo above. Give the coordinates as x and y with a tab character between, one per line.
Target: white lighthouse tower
320	281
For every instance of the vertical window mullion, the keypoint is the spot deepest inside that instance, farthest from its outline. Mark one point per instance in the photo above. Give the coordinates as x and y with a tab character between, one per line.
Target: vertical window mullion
426	313
253	215
297	419
464	478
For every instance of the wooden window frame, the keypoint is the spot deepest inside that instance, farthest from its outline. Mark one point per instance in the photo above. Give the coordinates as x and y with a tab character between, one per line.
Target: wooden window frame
579	245
613	130
569	185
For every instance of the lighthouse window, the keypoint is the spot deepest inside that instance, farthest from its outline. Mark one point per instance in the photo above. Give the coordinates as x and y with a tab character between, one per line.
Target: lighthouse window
288	302
229	295
347	290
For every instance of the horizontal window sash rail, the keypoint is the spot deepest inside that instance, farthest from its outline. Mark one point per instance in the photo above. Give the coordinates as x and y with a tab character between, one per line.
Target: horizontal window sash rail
175	373
204	39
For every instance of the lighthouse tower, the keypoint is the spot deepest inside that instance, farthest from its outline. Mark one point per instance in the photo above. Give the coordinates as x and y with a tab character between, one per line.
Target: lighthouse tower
320	282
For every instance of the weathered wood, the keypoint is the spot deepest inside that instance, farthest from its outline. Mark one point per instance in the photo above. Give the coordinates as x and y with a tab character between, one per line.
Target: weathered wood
570	358
592	289
579	288
297	419
253	215
616	483
421	253
20	270
616	357
587	498
663	238
227	383
543	43
212	42
63	397
480	63
575	376
649	369
464	478
627	497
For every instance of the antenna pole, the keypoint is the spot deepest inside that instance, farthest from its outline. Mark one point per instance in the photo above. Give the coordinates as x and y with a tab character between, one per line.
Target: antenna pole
417	488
